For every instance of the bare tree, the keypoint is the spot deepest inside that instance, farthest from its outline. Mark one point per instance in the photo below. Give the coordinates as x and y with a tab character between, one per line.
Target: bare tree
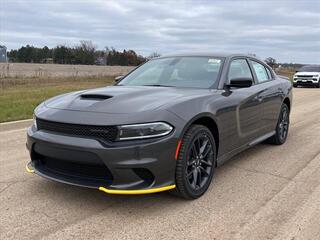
271	62
154	55
85	52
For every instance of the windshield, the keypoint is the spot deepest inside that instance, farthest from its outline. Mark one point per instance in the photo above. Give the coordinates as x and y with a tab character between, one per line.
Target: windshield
310	69
195	72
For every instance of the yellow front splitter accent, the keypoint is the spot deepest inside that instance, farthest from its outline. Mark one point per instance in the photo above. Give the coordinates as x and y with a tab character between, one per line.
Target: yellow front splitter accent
142	191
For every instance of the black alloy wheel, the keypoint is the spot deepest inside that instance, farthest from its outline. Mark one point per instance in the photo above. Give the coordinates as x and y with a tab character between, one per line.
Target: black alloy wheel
282	128
196	162
283	125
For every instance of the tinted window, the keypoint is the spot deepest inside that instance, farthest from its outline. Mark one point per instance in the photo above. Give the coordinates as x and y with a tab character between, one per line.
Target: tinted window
196	72
239	68
269	73
260	72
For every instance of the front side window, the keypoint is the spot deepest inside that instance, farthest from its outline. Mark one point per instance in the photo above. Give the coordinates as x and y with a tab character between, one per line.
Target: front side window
260	72
239	68
269	73
194	72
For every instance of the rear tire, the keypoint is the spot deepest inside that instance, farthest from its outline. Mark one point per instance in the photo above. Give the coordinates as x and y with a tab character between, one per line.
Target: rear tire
196	162
282	127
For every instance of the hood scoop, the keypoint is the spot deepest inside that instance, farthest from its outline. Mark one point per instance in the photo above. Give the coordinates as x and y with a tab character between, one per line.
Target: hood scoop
96	97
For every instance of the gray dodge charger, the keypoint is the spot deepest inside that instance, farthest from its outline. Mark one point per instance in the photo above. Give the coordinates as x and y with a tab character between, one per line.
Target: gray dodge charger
166	125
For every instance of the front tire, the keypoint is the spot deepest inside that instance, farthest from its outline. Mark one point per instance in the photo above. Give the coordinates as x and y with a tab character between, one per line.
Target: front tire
196	162
282	128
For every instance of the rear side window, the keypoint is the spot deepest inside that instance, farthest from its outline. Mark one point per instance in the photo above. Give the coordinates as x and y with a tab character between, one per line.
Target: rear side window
260	72
239	68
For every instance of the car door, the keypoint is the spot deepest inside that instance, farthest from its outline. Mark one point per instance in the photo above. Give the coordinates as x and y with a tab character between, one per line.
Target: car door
270	93
249	110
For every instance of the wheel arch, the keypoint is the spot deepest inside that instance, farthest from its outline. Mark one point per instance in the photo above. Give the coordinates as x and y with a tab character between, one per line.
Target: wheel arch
287	102
208	120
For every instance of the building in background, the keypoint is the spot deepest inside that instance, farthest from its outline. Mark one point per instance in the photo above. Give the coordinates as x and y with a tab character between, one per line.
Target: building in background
3	54
101	61
47	60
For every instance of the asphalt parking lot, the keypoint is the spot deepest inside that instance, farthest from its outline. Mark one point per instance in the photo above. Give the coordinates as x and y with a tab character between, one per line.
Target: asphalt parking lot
267	192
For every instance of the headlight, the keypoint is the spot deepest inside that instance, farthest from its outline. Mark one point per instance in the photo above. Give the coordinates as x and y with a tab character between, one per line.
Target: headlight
145	130
315	76
34	121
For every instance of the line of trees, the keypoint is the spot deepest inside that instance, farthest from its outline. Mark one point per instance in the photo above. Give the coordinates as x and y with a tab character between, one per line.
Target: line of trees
274	64
124	58
84	53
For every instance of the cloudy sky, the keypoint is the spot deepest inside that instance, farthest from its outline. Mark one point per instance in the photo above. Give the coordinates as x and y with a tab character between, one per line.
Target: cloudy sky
286	30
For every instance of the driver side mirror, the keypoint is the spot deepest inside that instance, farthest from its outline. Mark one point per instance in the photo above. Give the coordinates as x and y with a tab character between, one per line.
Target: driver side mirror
118	78
240	82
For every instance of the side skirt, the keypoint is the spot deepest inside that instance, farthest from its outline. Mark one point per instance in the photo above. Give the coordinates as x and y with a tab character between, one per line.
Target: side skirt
224	158
262	138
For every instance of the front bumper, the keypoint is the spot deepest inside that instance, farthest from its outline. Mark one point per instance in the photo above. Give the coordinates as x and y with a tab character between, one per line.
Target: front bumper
135	167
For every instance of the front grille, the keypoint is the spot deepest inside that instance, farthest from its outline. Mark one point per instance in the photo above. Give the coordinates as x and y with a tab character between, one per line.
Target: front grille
304	76
105	133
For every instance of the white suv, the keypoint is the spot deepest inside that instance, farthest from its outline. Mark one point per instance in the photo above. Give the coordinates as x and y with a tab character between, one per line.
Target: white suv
307	76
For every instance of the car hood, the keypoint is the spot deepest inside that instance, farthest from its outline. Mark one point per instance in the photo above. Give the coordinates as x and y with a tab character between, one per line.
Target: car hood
307	73
122	99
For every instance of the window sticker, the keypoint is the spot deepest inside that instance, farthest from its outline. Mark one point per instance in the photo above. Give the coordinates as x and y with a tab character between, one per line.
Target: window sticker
214	61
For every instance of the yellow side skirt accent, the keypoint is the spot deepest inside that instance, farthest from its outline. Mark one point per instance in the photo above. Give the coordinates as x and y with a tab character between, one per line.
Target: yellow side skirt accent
142	191
29	170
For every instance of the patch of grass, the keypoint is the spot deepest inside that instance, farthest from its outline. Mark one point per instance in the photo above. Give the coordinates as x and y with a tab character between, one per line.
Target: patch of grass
19	97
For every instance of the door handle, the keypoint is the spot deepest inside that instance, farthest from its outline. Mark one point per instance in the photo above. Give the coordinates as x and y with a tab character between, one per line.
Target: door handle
258	98
280	91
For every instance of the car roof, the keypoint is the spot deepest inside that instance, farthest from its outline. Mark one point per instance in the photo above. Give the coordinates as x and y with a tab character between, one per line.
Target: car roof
311	65
208	54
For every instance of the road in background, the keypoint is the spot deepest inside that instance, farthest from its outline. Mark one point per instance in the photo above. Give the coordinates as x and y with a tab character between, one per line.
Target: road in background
265	192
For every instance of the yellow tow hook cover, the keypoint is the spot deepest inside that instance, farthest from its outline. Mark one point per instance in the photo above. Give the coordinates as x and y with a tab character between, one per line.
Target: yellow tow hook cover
29	168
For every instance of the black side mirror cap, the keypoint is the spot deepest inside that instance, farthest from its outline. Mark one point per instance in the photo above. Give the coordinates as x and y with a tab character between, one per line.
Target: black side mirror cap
240	82
118	78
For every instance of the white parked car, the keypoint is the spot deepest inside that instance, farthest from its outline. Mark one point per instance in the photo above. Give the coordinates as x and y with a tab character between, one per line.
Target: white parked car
307	76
